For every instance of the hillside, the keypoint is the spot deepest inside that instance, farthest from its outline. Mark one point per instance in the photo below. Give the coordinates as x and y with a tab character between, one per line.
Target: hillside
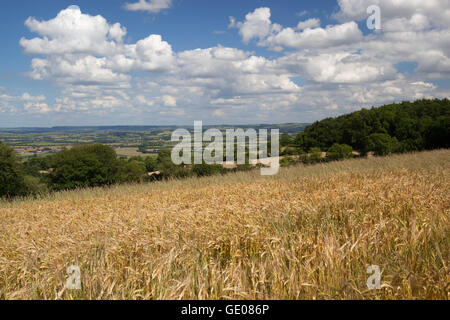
404	127
308	233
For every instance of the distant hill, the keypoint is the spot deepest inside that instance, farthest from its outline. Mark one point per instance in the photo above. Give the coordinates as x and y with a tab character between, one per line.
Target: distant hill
292	128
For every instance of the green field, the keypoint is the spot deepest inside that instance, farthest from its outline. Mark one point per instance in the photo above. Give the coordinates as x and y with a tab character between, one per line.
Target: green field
127	140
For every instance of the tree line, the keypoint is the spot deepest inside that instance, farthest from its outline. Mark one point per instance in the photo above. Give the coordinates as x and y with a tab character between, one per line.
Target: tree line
404	127
394	128
88	166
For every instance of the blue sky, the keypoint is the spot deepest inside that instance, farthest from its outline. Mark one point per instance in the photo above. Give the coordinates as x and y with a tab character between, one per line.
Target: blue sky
67	63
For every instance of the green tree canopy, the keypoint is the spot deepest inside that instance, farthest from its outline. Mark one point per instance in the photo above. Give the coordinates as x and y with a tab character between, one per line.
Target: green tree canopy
132	171
12	178
203	170
84	166
419	125
286	140
339	151
381	144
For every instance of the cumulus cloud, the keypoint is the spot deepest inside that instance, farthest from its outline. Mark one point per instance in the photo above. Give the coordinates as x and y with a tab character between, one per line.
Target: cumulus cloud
37	107
71	31
324	70
310	23
152	6
258	25
315	37
24	103
80	48
169	101
436	12
232	72
344	67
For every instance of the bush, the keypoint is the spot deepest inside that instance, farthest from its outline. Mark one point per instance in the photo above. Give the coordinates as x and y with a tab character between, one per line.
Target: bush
339	151
168	169
289	151
315	155
84	166
34	165
286	140
287	161
151	164
203	170
35	186
382	144
132	171
12	177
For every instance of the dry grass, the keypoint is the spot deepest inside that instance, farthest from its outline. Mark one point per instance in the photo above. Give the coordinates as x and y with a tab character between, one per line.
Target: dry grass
307	233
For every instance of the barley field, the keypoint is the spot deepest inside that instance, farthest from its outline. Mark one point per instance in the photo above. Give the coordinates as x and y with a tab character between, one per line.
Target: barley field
309	232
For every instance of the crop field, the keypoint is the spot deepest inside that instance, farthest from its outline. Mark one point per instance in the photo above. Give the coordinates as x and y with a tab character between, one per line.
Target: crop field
309	232
128	141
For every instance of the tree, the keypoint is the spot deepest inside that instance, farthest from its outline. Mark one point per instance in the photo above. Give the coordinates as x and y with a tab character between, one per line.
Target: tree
300	142
84	166
203	170
419	125
34	165
12	178
315	155
381	144
286	140
437	135
151	164
132	171
339	151
168	168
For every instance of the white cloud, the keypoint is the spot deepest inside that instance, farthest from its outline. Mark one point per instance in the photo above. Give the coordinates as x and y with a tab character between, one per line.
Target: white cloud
327	70
257	24
310	23
153	54
152	6
24	103
345	68
36	107
71	31
79	48
229	71
169	101
27	97
76	69
435	12
315	37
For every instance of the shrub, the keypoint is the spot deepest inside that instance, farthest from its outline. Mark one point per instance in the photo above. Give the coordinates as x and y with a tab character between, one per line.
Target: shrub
35	186
84	166
287	161
382	144
203	170
286	140
132	171
315	155
339	151
151	164
12	178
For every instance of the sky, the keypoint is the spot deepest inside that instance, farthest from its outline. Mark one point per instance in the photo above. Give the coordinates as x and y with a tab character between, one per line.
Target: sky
172	62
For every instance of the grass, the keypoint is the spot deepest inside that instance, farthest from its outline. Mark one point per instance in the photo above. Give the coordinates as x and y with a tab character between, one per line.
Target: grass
306	233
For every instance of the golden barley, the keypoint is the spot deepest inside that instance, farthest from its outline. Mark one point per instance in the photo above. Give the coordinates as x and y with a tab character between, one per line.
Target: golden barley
307	233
